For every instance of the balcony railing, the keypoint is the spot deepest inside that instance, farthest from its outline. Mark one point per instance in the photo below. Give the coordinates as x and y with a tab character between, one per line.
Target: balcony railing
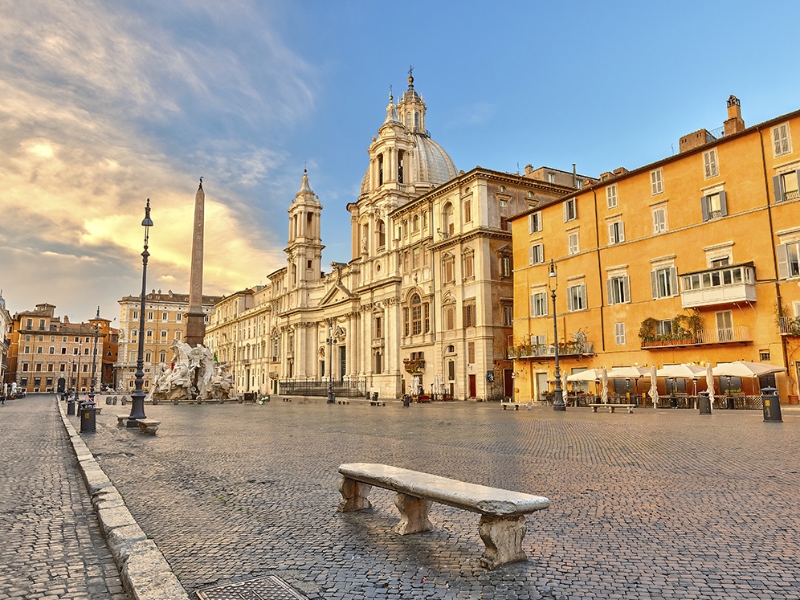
724	285
789	325
723	335
548	350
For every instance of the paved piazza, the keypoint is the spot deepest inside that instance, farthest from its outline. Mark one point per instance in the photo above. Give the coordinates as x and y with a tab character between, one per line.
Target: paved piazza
51	545
654	504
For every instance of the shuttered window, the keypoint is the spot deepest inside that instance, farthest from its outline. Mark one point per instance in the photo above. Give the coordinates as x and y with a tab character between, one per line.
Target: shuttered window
664	282
781	142
710	163
656	182
618	289
786	186
714	206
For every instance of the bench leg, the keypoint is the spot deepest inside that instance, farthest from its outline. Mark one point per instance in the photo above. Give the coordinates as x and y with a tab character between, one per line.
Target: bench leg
413	514
502	537
594	409
354	495
610	409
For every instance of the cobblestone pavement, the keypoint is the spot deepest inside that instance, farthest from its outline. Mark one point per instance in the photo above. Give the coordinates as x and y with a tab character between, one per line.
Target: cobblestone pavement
51	545
654	504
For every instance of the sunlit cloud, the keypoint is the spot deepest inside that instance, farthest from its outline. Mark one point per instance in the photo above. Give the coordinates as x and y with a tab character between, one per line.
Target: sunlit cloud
104	107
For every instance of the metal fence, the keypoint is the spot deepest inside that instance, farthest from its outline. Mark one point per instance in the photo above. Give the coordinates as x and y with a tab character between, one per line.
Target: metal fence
345	389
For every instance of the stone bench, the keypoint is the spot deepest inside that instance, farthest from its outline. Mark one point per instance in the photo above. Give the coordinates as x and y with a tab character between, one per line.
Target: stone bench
377	403
148	425
611	407
121	419
502	523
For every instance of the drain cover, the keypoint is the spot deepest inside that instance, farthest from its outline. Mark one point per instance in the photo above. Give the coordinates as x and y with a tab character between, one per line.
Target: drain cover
263	588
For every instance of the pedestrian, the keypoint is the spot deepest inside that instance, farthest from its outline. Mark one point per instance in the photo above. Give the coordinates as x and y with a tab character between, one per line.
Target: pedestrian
3	398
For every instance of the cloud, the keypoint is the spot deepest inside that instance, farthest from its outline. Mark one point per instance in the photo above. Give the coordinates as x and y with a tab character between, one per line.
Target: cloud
103	107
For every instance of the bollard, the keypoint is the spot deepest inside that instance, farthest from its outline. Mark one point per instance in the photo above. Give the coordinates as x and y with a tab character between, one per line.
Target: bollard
406	400
771	404
71	407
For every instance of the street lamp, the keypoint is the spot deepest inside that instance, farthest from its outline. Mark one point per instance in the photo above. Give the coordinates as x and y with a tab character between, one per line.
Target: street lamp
137	397
331	398
552	284
94	356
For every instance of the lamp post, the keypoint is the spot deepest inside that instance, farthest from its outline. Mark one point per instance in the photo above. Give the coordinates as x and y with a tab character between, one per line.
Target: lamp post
137	397
331	398
552	284
94	356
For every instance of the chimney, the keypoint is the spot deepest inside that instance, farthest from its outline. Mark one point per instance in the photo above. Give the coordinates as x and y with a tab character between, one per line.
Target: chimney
735	123
528	169
574	176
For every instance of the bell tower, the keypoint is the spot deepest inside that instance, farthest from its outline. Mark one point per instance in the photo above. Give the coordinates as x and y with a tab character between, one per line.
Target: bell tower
304	252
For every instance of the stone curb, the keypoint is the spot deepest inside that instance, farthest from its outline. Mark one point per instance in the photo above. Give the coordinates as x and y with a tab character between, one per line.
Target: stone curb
145	572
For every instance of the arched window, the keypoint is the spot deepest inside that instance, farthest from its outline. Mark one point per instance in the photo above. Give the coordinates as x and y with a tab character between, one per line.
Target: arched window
380	169
381	234
447	219
416	315
416	120
400	160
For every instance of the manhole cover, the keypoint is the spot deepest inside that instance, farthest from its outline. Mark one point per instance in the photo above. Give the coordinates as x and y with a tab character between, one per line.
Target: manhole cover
264	588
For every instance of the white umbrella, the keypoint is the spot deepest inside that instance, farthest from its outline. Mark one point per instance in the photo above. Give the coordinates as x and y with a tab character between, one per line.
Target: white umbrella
587	375
628	372
743	368
654	386
680	371
604	386
710	384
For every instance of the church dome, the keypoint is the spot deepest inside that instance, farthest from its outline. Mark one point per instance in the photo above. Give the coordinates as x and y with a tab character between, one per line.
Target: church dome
430	164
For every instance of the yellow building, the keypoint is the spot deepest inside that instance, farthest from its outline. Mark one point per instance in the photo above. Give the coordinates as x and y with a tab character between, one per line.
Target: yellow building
164	323
691	259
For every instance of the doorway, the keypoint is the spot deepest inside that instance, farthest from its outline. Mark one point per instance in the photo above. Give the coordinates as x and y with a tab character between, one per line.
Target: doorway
508	383
473	386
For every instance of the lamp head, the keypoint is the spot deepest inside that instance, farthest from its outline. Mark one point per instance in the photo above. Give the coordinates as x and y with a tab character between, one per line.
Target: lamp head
552	280
147	221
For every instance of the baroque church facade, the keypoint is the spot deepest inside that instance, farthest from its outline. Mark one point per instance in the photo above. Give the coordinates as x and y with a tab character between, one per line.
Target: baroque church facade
424	304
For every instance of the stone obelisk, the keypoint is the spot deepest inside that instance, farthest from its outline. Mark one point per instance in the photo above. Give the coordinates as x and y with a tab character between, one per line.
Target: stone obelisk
195	318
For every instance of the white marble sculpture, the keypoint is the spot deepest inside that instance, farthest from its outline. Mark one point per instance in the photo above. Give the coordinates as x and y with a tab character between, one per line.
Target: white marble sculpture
193	376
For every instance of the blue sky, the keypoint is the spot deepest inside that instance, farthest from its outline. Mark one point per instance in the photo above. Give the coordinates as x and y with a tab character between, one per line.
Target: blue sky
105	104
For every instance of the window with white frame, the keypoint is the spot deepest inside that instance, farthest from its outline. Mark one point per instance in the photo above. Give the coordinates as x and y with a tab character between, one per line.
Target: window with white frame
788	259
539	304
536	254
508	315
535	222
619	289
659	219
616	232
576	297
710	163
781	142
714	205
656	182
664	282
570	209
573	242
611	196
505	266
619	334
786	186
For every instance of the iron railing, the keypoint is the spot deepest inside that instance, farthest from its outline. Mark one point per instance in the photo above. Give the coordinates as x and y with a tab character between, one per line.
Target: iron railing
349	388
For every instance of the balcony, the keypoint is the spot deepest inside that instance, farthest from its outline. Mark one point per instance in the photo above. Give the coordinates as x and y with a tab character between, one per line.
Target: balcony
727	335
789	325
528	350
414	365
724	285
